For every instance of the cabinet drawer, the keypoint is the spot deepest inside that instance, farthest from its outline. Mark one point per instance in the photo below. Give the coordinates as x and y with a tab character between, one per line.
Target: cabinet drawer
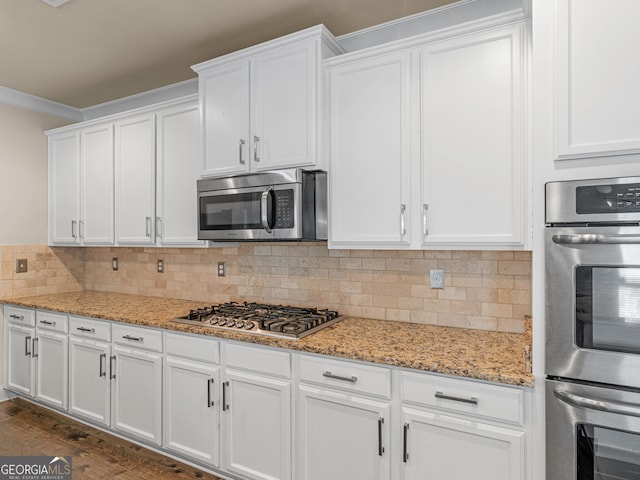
20	316
52	321
476	398
194	348
137	337
351	376
258	360
85	327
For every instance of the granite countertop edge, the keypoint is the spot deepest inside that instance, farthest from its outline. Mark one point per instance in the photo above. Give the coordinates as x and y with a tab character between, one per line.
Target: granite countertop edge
475	354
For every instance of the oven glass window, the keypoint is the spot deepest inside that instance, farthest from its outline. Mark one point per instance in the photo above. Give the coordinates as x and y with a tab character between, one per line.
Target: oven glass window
608	308
239	211
607	454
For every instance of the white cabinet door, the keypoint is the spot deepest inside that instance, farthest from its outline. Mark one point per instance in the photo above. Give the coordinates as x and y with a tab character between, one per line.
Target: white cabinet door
341	436
473	178
137	393
20	361
52	376
284	107
597	65
224	97
446	447
89	382
178	167
370	159
135	154
192	410
256	426
64	189
97	221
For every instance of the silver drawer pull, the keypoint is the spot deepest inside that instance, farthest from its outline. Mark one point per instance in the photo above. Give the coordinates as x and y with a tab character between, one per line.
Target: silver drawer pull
47	322
351	379
17	317
135	339
471	400
88	330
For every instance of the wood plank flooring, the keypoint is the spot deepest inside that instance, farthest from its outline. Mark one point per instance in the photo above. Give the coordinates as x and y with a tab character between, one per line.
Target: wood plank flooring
27	429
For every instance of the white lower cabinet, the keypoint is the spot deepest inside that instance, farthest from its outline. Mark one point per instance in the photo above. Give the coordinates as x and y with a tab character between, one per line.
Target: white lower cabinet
51	351
20	364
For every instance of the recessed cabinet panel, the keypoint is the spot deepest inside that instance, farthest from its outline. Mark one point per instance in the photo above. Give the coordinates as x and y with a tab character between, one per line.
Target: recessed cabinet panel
369	125
52	378
64	188
19	357
472	158
596	89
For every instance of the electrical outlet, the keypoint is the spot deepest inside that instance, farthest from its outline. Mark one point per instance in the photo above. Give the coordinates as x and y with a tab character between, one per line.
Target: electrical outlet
222	269
21	265
436	278
160	266
114	264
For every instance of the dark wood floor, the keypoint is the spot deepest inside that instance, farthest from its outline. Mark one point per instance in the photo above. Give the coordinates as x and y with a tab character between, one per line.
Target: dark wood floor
27	429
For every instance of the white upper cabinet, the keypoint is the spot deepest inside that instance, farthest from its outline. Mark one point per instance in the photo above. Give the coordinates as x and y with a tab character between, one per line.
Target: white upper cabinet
426	144
473	169
261	106
597	66
369	122
64	188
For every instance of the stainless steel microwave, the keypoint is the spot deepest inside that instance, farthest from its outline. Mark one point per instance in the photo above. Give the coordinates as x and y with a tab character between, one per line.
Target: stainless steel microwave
277	205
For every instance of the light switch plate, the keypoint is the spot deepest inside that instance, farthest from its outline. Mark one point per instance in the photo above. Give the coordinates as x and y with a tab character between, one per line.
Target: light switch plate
21	265
436	278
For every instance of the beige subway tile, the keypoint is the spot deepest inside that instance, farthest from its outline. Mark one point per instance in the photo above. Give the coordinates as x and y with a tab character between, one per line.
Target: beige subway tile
438	254
262	250
519	297
361	254
466	255
482	294
428	318
510	325
362	275
452	293
280	293
497	310
452	320
340	253
413	254
338	274
325	285
373	312
300	295
437	305
423	291
410	303
423	266
351	263
482	322
290	282
244	290
498	281
386	254
519	311
308	283
465	280
385	301
385	277
350	310
318	251
497	255
522	255
350	286
310	262
454	266
519	267
299	251
361	299
399	264
522	283
398	315
486	267
374	264
466	307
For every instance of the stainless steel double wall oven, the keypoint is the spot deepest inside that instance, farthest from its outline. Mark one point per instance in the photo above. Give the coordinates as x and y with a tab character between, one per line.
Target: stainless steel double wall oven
592	255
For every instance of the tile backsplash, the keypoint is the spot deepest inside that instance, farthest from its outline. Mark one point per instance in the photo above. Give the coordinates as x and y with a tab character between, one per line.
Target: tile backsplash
488	290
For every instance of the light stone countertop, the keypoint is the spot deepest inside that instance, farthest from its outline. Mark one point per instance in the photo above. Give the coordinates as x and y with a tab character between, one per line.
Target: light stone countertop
492	356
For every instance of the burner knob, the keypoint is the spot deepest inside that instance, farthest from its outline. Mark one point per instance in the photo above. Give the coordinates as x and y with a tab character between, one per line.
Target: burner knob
249	325
240	324
213	321
222	322
231	323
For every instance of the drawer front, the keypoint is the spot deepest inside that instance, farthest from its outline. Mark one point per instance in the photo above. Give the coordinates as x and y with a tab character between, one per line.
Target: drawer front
258	360
90	328
366	379
194	348
463	396
20	316
52	321
137	337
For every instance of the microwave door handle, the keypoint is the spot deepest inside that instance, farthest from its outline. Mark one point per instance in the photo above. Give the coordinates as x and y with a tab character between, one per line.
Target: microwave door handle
601	405
264	199
595	239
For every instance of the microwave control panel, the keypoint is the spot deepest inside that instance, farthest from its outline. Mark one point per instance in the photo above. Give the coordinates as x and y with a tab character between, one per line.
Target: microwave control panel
285	211
613	198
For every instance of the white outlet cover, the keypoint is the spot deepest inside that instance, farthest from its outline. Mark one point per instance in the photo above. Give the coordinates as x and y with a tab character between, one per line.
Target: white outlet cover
436	278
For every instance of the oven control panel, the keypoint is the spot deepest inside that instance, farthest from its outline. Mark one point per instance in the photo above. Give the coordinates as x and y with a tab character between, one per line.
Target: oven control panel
615	198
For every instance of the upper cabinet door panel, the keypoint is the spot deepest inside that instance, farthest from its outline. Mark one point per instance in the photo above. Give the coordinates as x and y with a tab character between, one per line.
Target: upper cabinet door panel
473	155
224	96
285	113
597	63
97	185
135	180
64	188
370	158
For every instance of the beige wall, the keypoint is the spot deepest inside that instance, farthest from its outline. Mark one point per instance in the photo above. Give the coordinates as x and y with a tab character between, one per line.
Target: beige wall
23	175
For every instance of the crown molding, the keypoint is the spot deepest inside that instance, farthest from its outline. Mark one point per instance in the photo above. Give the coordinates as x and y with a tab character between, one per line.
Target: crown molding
19	99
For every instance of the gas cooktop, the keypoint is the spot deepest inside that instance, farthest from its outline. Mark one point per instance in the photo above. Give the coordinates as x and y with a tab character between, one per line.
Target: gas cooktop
261	318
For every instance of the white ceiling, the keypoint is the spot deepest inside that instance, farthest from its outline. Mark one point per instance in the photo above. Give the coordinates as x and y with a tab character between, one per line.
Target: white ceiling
87	52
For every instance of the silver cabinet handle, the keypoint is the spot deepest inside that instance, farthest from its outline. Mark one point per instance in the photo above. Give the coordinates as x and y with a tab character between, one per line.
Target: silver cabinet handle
103	372
88	330
256	139
425	230
147	227
135	339
81	228
27	344
225	407
596	239
34	347
351	379
112	367
46	322
264	209
17	317
601	405
380	447
405	453
159	227
240	145
73	229
403	227
471	400
209	383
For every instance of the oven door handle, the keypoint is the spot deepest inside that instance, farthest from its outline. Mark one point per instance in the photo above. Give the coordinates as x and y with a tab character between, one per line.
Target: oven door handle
601	405
594	239
264	218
